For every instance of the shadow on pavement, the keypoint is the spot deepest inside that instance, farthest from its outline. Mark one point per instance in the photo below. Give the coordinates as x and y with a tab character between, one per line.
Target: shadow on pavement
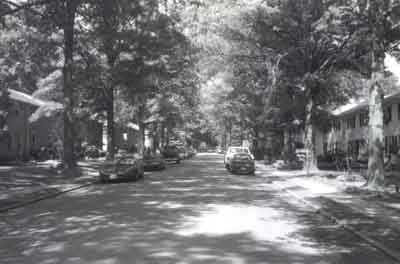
195	213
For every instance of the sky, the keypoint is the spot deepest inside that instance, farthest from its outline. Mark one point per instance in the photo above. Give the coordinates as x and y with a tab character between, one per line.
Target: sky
393	66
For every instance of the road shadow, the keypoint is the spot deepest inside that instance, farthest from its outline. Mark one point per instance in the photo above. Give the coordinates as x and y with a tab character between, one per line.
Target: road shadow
194	213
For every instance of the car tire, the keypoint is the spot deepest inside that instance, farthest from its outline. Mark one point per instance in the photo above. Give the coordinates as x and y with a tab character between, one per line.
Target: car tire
178	161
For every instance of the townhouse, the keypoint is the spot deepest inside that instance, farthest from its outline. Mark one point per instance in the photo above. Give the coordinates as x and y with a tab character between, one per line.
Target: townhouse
25	137
348	131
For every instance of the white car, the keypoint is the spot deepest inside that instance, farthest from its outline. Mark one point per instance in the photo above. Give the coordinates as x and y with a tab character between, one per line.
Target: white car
236	150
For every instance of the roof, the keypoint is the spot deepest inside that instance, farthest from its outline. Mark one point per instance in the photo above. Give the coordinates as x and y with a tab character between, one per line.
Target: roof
354	106
26	98
133	126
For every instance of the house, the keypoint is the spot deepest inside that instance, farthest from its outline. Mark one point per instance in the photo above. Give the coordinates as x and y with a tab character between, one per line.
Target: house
348	131
126	136
23	137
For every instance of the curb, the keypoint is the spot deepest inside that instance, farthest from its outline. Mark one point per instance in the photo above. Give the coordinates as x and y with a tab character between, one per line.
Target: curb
393	254
44	197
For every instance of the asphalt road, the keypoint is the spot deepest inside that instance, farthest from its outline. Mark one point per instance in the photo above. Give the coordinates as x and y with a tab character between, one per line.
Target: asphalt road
195	212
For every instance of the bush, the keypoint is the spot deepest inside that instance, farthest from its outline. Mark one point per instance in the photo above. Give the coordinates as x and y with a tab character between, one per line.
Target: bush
92	152
291	165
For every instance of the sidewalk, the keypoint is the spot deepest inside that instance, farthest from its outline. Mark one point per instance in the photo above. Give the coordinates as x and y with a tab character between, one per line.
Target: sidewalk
25	183
373	216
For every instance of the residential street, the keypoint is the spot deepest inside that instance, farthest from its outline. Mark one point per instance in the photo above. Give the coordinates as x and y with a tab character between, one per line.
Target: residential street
195	212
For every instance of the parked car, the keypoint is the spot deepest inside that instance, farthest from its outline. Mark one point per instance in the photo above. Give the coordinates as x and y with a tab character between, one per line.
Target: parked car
220	150
236	150
122	168
241	163
183	154
191	152
171	153
153	161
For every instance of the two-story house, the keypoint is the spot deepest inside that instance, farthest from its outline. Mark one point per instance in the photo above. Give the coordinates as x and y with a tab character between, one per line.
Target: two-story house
348	131
22	137
25	137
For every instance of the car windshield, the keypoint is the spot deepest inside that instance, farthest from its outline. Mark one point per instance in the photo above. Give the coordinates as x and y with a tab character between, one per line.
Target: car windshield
239	150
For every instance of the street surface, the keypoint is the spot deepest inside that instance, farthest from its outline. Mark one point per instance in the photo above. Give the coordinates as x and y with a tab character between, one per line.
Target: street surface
195	212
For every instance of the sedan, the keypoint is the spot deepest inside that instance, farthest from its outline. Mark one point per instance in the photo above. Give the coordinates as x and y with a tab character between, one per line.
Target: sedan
122	168
236	150
171	153
153	162
241	163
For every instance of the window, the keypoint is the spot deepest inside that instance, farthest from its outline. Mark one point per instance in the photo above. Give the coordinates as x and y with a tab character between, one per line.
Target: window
364	119
387	115
18	141
392	144
398	111
351	122
335	147
386	149
9	145
325	148
336	124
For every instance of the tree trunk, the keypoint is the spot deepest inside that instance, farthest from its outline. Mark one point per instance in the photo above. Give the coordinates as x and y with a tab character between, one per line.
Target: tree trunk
376	177
68	142
162	135
142	126
168	136
230	136
141	137
289	145
310	162
155	137
110	124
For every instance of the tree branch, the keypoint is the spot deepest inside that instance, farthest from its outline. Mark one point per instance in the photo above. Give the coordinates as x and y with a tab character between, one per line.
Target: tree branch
19	7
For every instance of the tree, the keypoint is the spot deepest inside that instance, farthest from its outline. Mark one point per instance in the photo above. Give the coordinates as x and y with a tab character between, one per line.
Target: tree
70	7
4	106
311	45
375	23
382	18
54	15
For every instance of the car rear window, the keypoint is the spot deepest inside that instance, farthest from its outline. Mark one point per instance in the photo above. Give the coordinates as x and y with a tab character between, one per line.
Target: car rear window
239	150
242	157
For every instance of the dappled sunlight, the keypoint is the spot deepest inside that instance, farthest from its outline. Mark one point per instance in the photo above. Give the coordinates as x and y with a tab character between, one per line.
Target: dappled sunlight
262	223
181	215
314	187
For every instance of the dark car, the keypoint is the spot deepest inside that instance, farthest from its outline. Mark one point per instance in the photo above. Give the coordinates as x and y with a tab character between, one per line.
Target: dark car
122	168
241	163
191	152
153	161
183	153
171	153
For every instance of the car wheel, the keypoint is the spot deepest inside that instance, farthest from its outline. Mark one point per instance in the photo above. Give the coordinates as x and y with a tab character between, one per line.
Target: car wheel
178	161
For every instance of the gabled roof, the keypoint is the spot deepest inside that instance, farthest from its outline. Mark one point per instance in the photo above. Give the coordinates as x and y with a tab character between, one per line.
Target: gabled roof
133	126
25	98
361	104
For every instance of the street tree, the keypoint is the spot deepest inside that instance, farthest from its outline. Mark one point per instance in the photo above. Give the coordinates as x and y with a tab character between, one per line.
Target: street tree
379	20
310	45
